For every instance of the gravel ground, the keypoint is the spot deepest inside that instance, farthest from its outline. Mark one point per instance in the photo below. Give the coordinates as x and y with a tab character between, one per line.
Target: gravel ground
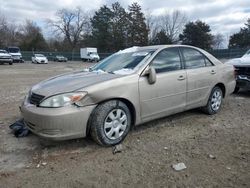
215	149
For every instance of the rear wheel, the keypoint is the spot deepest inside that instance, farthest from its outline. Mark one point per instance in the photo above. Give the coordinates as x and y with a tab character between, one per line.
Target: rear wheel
214	101
110	123
10	63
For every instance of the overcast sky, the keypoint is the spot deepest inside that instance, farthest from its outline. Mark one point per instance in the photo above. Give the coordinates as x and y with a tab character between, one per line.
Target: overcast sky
224	16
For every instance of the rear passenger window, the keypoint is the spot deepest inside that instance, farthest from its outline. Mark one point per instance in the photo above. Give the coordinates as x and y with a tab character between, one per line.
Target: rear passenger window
167	60
193	58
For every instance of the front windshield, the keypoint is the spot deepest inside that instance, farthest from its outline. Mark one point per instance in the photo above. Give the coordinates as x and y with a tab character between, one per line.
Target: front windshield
122	62
39	55
14	50
3	51
247	53
93	53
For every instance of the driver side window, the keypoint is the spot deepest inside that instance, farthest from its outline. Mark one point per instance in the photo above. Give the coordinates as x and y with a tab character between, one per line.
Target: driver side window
167	60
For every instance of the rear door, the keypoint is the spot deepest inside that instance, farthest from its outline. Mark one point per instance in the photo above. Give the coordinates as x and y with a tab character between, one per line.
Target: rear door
168	94
201	75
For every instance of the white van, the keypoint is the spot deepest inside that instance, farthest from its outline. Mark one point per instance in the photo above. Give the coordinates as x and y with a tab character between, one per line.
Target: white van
89	54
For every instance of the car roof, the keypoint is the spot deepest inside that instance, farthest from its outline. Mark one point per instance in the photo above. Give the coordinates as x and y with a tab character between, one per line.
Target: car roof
13	47
156	47
160	47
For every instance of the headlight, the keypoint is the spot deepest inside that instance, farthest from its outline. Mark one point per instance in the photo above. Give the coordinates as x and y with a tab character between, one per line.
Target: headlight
63	100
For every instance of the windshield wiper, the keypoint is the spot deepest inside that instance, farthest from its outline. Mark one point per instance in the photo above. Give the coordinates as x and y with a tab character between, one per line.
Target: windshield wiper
110	72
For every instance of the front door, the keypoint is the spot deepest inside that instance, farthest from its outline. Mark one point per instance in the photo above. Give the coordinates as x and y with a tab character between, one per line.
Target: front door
168	94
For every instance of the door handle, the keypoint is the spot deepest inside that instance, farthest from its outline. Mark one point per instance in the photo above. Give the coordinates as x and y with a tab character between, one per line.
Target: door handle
181	77
213	72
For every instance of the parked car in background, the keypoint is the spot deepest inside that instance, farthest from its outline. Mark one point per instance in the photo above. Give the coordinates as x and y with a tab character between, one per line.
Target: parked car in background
39	59
15	53
242	68
5	57
89	54
60	58
130	87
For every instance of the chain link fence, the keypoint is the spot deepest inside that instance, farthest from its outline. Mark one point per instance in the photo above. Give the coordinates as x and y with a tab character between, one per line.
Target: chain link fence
75	56
72	56
228	53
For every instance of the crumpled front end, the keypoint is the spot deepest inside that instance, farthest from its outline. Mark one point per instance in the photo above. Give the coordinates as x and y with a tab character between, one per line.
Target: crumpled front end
243	76
56	123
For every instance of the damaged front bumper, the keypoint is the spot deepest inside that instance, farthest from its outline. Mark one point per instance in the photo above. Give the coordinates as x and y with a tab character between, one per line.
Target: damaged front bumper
243	81
64	123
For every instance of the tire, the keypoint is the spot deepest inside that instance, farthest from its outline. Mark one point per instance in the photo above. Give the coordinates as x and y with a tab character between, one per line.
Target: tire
110	123
236	90
10	63
214	102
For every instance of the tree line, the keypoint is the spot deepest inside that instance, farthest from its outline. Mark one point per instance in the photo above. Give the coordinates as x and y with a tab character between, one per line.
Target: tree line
111	28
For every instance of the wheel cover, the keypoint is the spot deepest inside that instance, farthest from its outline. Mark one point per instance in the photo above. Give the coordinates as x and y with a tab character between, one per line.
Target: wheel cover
216	100
115	124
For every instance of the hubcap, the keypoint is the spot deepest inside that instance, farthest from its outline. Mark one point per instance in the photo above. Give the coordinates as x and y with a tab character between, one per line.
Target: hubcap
115	124
216	100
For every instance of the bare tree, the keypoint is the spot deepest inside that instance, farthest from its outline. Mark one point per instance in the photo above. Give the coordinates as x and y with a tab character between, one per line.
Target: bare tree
150	24
153	25
3	30
8	32
30	36
72	24
218	40
171	23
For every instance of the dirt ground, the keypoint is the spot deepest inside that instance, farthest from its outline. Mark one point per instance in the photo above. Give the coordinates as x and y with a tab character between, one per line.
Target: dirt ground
148	151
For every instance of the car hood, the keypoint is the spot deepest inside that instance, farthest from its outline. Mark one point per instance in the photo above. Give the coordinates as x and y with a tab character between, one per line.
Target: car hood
18	53
4	55
240	61
71	82
41	58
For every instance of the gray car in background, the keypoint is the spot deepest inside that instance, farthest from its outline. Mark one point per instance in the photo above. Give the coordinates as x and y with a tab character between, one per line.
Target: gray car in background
5	57
60	58
131	87
15	53
242	68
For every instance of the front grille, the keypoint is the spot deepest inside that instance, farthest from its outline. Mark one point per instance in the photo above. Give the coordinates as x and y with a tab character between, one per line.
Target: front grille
35	98
5	57
243	70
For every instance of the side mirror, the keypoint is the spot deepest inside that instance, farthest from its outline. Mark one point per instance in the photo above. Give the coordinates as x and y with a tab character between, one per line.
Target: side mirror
151	74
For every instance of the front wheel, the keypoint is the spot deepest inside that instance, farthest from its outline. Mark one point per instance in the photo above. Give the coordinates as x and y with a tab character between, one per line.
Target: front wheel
214	101
110	123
